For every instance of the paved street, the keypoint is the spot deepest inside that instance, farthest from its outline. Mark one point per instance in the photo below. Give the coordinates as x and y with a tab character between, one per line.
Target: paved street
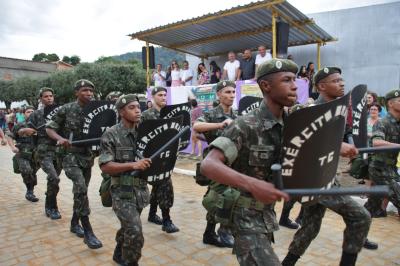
29	238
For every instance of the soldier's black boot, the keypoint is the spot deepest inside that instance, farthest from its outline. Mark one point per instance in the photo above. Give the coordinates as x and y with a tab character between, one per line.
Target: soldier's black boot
285	221
226	237
348	259
210	237
47	208
167	224
76	228
153	217
55	214
290	259
29	194
89	237
117	256
370	245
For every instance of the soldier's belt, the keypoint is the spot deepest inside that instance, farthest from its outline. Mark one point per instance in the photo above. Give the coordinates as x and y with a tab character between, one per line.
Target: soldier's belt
128	181
250	203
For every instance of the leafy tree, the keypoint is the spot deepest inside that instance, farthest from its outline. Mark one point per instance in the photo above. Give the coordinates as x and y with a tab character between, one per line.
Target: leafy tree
66	59
53	57
41	57
74	60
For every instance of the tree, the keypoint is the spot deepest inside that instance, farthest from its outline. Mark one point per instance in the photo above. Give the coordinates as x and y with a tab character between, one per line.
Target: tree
41	57
74	60
53	58
66	59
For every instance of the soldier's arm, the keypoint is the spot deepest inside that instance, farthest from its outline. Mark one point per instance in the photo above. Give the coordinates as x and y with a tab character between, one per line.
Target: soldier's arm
379	135
107	159
202	124
54	125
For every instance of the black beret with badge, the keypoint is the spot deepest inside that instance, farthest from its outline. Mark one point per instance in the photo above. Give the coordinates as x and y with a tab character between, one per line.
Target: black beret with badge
158	89
325	72
125	99
83	83
276	65
226	83
392	94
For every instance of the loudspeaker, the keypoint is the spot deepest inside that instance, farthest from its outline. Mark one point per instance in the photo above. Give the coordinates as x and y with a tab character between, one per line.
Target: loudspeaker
144	57
282	39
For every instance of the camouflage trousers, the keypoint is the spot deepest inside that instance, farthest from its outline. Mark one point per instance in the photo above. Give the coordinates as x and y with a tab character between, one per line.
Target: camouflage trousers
253	233
381	176
128	210
52	167
28	170
162	194
78	168
355	216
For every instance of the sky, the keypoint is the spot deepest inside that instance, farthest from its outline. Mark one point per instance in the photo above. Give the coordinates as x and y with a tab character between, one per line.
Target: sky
94	28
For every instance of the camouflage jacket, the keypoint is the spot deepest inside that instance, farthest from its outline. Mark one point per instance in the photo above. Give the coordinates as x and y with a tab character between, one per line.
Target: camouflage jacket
118	145
149	114
37	120
215	115
26	142
388	129
251	144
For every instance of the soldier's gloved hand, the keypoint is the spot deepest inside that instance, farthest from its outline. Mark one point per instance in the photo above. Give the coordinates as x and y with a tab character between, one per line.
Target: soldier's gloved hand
348	150
64	142
15	150
143	164
266	192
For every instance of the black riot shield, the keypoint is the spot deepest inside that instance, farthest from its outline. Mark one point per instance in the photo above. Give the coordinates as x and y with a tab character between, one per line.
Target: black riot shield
99	115
311	144
183	109
359	115
153	134
248	103
50	111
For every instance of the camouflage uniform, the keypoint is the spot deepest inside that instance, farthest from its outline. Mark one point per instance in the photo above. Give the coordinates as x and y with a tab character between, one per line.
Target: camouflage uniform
25	157
355	216
46	155
118	145
382	168
162	192
215	115
251	144
77	161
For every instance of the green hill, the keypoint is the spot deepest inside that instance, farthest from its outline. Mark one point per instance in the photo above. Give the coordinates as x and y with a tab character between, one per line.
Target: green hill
163	56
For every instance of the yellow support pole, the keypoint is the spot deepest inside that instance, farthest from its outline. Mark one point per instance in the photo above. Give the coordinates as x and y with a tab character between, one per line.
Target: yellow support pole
273	34
148	64
319	55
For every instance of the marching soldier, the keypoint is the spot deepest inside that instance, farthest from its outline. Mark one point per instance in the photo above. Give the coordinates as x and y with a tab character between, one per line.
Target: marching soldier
46	154
382	168
212	124
129	194
242	158
77	162
330	85
24	153
113	96
162	192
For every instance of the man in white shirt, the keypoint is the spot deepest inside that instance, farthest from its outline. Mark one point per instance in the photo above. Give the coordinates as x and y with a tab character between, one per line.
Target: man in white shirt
186	74
159	77
262	55
231	68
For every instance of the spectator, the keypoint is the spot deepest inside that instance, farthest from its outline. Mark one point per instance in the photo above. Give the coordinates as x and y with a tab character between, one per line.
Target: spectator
372	97
2	119
247	66
196	113
231	68
10	117
159	77
149	105
373	111
202	74
302	73
175	75
310	75
215	72
262	55
19	116
186	74
168	77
